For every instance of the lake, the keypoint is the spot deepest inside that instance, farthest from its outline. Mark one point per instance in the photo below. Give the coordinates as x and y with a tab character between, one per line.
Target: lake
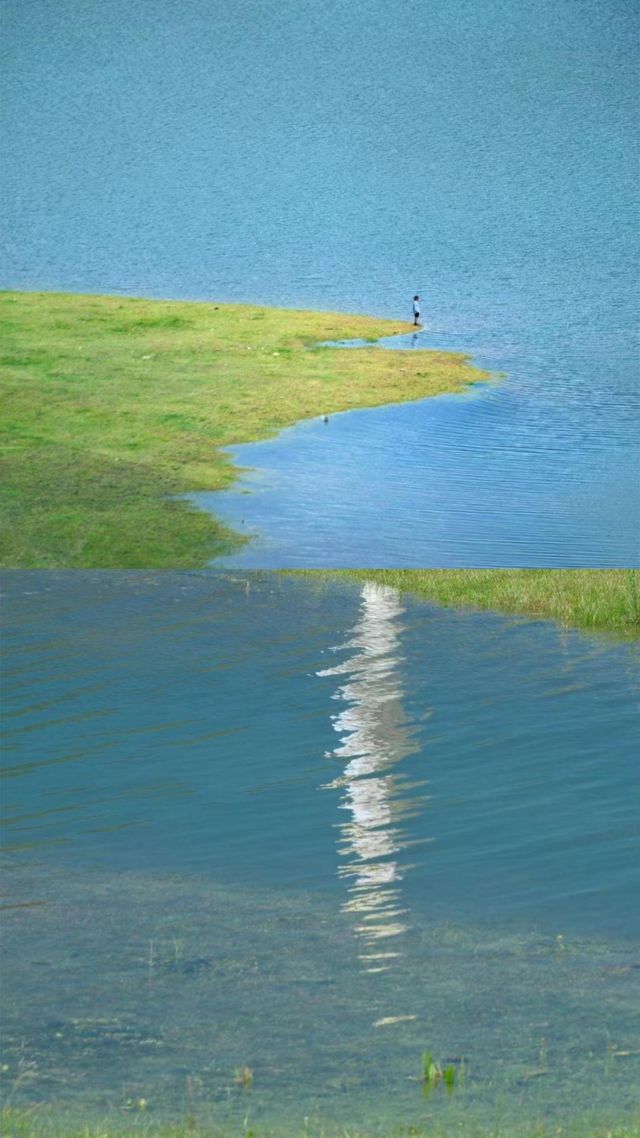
344	156
314	828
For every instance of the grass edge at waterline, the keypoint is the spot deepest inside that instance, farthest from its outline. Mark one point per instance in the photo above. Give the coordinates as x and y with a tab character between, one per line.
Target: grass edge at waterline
115	406
33	1123
605	600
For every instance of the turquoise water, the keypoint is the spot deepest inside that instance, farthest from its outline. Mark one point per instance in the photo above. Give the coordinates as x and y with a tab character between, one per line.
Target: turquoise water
314	828
344	156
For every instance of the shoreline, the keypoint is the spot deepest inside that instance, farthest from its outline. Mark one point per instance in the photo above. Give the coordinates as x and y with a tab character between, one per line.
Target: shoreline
46	1121
595	600
115	406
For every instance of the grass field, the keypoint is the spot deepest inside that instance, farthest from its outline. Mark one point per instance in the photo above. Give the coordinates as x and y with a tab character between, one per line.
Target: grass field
606	599
113	405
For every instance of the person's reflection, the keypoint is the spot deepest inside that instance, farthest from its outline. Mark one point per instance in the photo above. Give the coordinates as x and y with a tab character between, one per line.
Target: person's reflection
374	737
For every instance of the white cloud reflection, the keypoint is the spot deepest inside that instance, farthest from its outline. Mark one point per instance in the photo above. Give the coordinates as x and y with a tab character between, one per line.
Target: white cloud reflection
375	736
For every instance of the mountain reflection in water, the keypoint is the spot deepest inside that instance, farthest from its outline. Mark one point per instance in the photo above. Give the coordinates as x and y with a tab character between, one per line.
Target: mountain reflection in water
375	736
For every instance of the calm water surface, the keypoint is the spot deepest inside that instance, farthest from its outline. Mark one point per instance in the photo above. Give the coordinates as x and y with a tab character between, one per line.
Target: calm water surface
314	827
344	156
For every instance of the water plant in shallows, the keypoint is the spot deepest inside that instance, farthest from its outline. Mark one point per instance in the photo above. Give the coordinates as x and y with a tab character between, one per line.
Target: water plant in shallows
435	1074
244	1078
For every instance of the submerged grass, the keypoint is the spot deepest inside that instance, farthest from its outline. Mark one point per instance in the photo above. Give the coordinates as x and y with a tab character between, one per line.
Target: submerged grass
113	405
605	599
34	1123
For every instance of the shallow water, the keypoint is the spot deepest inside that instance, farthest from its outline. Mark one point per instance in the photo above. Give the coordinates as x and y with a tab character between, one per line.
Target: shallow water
248	819
343	156
509	474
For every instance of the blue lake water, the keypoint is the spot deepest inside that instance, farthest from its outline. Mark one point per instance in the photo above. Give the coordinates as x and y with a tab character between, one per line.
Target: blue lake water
344	156
314	827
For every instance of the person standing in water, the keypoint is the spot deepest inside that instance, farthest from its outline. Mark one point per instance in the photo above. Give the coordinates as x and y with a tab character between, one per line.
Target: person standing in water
416	310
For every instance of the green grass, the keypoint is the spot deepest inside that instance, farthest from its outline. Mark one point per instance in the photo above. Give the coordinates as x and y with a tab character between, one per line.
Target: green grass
605	599
113	405
35	1123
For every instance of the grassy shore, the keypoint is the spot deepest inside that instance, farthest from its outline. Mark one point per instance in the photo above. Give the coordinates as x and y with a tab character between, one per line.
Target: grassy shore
605	599
36	1124
114	405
